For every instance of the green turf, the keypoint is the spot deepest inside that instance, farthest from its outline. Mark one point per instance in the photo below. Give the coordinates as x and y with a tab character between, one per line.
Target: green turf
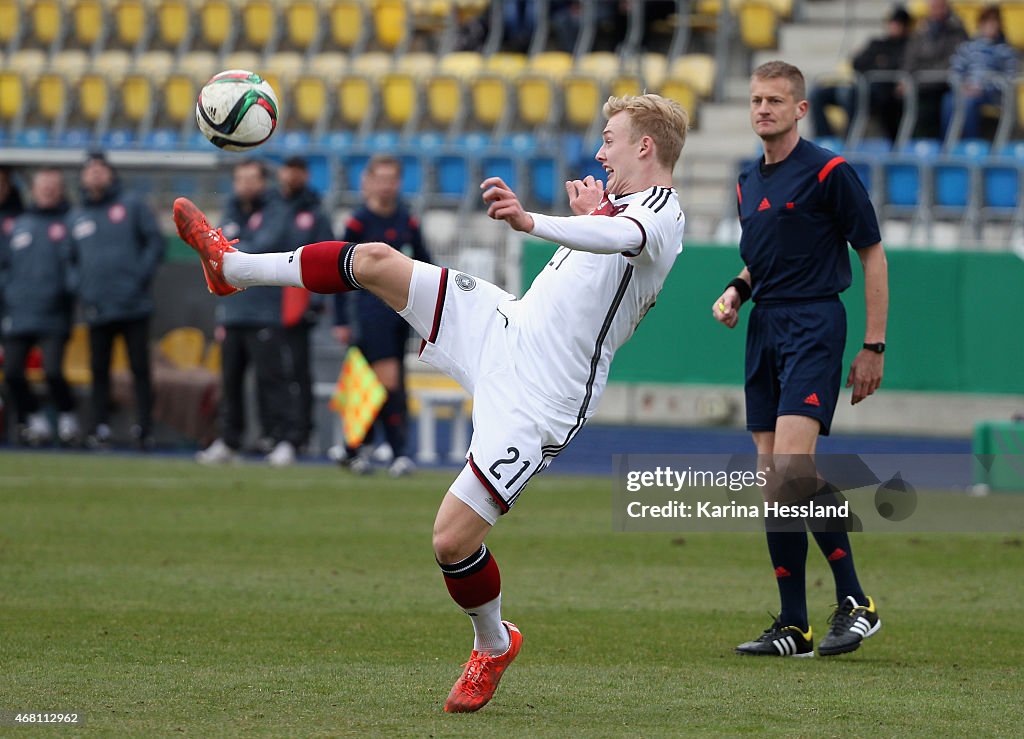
159	598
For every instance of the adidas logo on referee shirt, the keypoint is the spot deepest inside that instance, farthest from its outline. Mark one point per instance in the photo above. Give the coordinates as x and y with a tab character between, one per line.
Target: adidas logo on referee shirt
765	205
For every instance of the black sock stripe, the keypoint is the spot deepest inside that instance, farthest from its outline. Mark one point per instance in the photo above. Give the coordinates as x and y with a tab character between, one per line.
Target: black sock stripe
346	258
468	566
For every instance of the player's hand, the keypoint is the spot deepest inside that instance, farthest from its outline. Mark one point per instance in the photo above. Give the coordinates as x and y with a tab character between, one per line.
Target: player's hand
865	374
219	334
727	308
504	205
343	334
584	195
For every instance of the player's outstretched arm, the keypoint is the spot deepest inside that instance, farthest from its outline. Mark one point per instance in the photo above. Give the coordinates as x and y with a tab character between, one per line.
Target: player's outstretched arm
581	232
726	309
866	370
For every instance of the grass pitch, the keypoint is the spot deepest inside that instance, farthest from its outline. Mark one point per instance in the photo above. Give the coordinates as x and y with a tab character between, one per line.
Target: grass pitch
158	598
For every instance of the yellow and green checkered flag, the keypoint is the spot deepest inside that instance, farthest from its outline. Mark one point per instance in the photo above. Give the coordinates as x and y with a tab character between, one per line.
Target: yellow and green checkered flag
357	397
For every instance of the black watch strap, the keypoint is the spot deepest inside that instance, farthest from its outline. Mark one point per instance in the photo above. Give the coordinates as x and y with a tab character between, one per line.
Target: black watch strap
877	347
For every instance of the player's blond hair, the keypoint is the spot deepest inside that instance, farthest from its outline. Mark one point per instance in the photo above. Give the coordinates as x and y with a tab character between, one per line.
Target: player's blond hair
662	119
783	70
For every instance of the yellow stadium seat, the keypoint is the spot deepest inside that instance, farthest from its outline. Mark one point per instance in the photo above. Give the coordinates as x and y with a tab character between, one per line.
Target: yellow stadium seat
136	98
47	20
399	98
444	93
555	64
93	96
113	64
10	21
759	24
603	65
346	21
76	356
683	93
184	347
301	23
698	70
155	64
461	64
536	98
248	60
285	65
372	63
179	98
309	101
131	18
30	62
173	18
584	96
355	99
216	19
329	66
918	9
1013	23
12	95
259	21
507	63
51	96
390	23
490	94
968	13
416	63
627	84
70	64
89	20
199	65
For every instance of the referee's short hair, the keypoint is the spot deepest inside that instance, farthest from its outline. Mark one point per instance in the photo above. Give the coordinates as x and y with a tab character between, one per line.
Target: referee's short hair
783	70
662	119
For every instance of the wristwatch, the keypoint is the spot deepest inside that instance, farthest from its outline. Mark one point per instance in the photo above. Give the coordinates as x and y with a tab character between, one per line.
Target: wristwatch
877	347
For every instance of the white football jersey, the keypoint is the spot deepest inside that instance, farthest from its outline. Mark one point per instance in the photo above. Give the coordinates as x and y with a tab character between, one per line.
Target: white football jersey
584	305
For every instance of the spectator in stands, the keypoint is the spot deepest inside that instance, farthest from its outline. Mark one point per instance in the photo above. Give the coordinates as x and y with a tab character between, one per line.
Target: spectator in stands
977	68
115	234
251	328
882	54
380	333
301	309
928	53
36	281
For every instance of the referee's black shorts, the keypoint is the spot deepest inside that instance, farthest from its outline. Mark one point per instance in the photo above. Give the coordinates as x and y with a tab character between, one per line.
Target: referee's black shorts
794	362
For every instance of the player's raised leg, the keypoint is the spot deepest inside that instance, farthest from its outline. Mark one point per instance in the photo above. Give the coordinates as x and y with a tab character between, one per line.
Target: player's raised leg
325	267
474	582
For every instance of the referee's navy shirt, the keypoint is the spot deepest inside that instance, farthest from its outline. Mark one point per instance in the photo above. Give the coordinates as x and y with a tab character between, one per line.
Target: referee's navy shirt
798	217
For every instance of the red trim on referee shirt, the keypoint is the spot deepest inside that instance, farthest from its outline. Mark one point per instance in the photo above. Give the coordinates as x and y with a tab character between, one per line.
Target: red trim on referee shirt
439	305
739	194
487	485
832	164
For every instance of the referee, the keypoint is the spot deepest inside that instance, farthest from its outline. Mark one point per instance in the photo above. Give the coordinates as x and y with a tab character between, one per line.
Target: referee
799	207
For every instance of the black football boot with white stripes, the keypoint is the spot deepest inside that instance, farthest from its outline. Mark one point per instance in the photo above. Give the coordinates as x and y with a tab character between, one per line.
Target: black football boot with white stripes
780	641
851	623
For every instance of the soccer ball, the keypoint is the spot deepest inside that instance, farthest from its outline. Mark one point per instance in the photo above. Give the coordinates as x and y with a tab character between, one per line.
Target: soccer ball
237	110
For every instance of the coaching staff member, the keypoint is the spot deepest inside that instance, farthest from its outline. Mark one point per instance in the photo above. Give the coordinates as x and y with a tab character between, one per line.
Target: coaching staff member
118	247
799	207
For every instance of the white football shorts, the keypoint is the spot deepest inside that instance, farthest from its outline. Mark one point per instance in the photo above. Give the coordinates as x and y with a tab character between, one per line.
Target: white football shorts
464	322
